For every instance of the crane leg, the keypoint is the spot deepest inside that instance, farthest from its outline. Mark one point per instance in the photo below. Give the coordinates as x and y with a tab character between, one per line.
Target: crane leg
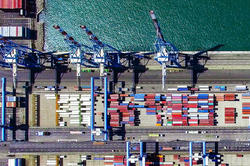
164	76
102	74
115	79
32	77
78	75
14	71
57	81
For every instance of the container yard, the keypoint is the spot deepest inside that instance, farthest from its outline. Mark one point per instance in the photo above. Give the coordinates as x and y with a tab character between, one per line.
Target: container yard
161	159
93	104
170	109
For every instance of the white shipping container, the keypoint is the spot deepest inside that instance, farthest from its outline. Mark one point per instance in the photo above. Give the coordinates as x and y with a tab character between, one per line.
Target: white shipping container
73	99
86	119
204	106
63	98
204	86
176	94
61	111
110	156
72	164
13	31
85	99
191	102
172	89
74	112
85	109
64	106
192	110
167	162
177	122
203	89
203	117
20	31
176	111
203	101
241	87
74	116
5	32
203	114
64	115
192	114
86	103
49	95
74	107
11	162
194	117
85	96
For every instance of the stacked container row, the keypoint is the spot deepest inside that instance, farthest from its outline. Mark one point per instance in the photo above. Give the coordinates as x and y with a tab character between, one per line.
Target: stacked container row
229	97
229	115
75	107
245	110
120	111
246	96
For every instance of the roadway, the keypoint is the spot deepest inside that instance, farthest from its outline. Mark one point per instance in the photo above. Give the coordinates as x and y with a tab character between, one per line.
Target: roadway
88	147
149	77
142	133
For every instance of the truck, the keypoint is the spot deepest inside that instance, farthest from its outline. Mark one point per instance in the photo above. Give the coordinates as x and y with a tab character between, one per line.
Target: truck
42	133
76	132
192	132
99	143
165	148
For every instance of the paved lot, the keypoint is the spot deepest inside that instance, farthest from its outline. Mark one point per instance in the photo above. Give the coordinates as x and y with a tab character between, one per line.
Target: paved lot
47	112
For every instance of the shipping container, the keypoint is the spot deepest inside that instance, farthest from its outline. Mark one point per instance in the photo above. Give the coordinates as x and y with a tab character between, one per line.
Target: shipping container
11	4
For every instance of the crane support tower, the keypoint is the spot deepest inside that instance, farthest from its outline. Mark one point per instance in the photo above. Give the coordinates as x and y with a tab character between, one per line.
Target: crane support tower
3	108
204	155
95	130
166	53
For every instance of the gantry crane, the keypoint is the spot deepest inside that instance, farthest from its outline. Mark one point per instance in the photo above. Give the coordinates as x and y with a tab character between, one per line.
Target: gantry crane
78	54
169	56
14	55
166	53
105	55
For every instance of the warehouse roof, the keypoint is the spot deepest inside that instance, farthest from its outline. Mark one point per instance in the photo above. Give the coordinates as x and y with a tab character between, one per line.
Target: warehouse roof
11	4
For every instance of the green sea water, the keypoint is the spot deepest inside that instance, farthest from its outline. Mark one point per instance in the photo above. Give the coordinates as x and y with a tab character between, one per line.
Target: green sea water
126	24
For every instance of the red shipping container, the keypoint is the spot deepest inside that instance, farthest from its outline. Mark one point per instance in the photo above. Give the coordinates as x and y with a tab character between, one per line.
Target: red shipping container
192	106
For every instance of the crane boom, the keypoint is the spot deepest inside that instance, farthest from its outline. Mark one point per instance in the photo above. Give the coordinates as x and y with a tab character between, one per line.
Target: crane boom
91	36
156	25
66	35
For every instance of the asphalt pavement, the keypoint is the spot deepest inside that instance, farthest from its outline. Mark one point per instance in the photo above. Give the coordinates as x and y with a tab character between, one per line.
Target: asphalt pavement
110	147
